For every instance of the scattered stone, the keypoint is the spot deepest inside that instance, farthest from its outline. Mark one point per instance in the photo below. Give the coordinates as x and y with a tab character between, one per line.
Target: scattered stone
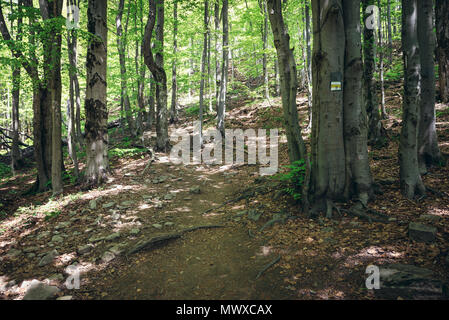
85	249
62	225
108	205
43	235
127	204
107	257
113	236
94	239
254	215
57	239
195	190
72	213
134	231
116	250
392	219
187	199
14	253
93	204
40	291
169	196
56	276
65	298
157	226
421	232
429	218
409	282
169	224
48	258
76	233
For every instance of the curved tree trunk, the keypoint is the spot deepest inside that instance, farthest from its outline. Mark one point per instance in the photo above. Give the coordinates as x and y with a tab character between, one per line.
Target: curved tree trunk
156	66
97	139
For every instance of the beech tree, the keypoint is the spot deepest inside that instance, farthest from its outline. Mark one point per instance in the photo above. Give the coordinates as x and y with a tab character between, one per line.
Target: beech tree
442	27
97	140
156	65
221	106
411	183
428	150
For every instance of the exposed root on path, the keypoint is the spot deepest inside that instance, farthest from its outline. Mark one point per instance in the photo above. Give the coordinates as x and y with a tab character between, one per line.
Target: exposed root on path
155	241
268	266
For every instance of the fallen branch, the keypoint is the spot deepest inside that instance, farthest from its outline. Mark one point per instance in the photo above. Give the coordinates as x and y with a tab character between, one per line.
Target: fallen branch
155	241
268	266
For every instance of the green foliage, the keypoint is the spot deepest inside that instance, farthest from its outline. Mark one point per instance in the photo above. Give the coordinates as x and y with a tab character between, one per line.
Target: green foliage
193	111
295	177
4	170
52	214
125	152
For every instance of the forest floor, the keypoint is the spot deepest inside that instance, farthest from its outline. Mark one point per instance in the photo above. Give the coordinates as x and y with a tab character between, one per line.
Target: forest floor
257	226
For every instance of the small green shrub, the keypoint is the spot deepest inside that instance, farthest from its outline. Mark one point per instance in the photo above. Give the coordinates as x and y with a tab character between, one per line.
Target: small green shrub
295	177
5	170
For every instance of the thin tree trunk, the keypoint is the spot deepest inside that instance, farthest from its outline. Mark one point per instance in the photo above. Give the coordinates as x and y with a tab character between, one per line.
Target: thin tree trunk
428	150
156	66
381	68
121	44
97	139
308	64
174	87
217	52
411	183
265	49
442	18
203	69
375	132
221	110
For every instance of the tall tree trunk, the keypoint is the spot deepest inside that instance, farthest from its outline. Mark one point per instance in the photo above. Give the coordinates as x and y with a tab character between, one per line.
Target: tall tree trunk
328	177
217	52
358	174
156	66
203	69
265	49
174	87
289	87
71	126
381	67
411	183
16	154
428	150
221	110
389	33
308	64
442	18
121	45
97	139
375	132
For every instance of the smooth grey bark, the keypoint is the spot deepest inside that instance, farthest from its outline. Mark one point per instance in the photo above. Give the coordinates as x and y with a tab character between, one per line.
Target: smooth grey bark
328	176
428	150
442	26
16	154
140	70
358	174
265	49
389	33
289	87
381	66
375	132
73	78
97	140
156	65
217	52
203	70
121	45
308	63
411	183
174	85
221	108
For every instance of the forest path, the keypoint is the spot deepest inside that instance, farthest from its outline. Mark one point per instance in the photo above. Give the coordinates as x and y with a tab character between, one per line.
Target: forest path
204	264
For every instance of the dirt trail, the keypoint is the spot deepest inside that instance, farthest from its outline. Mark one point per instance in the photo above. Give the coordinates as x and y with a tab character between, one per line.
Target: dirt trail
204	264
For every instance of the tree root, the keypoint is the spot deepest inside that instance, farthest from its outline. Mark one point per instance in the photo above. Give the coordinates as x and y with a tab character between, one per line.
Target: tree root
268	266
155	241
361	211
